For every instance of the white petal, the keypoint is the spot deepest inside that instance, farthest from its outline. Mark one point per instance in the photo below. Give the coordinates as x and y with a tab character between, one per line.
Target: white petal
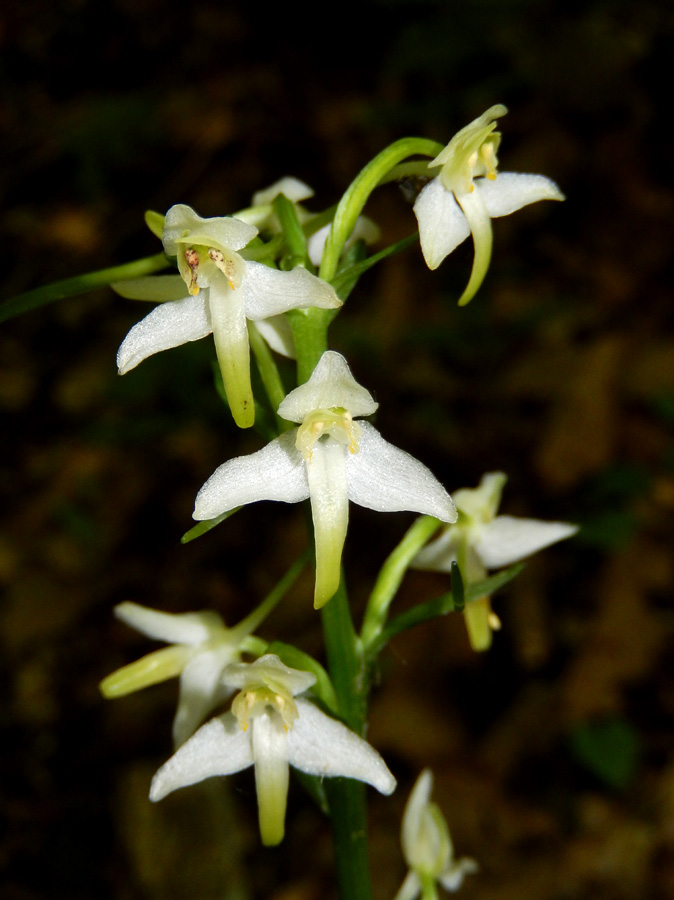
326	472
174	628
410	888
270	754
219	748
167	326
276	472
278	334
510	191
507	540
159	288
331	385
183	227
442	224
319	745
439	555
382	477
269	292
201	690
481	503
270	671
412	818
289	186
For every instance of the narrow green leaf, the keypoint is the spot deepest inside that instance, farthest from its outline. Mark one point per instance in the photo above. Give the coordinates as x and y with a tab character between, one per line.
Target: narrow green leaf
80	284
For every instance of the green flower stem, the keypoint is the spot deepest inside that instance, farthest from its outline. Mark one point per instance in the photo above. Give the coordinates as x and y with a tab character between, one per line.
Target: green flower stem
80	284
352	203
346	797
310	332
269	374
296	241
391	575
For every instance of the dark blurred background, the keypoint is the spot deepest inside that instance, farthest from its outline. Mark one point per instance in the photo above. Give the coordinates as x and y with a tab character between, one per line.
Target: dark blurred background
553	754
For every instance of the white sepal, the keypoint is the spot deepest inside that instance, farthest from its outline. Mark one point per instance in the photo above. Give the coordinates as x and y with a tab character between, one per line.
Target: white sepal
168	325
320	745
507	540
384	478
174	628
331	385
276	472
270	292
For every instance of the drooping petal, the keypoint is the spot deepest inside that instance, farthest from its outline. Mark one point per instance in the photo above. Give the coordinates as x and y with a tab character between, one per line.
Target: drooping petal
230	332
201	690
385	478
270	755
479	223
151	669
269	292
412	818
219	747
158	288
183	226
319	745
167	326
331	385
326	472
276	472
510	191
507	540
174	628
442	224
278	334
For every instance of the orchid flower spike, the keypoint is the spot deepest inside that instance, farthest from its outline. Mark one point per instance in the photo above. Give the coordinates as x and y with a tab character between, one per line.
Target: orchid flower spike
201	648
427	847
224	290
469	192
481	540
330	459
270	728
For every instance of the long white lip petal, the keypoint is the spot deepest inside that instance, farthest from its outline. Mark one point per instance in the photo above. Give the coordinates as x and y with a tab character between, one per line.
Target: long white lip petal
219	748
180	628
230	332
168	325
507	540
479	222
276	472
159	288
278	334
269	292
442	224
510	191
319	745
385	478
330	513
201	690
270	754
331	385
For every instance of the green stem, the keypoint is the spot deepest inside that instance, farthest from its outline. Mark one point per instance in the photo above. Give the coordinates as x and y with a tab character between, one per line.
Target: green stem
356	196
391	575
268	373
346	797
80	284
310	332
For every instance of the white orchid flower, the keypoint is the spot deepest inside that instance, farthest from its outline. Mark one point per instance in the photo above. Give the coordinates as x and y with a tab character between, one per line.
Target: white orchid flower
224	290
481	540
468	193
269	727
329	459
427	847
364	230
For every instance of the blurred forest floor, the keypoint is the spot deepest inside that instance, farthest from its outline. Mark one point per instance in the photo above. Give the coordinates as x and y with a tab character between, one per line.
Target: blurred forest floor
553	754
